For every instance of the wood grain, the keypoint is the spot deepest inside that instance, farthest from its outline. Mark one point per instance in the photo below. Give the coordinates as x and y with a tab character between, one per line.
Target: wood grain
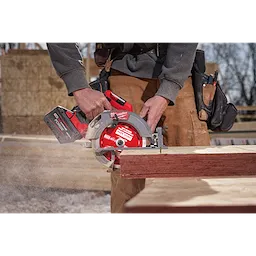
184	195
43	162
189	162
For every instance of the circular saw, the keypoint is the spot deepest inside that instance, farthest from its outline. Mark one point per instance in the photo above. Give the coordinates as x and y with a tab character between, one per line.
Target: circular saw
109	133
114	131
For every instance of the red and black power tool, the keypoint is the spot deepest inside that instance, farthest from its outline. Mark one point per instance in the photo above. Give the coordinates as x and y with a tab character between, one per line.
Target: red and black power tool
71	125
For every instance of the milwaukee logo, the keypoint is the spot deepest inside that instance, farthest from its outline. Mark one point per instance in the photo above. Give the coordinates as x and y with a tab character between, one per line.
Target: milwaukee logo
119	115
124	133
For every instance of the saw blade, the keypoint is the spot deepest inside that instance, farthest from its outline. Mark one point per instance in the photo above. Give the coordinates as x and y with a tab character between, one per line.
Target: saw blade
116	130
110	158
107	158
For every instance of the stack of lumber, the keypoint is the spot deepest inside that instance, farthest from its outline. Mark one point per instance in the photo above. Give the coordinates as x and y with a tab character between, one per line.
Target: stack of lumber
197	179
242	133
30	89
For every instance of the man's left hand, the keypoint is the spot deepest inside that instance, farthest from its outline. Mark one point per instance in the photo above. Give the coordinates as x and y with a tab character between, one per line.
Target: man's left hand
154	108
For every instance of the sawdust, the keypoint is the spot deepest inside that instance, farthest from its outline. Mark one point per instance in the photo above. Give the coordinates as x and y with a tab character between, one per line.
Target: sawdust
20	199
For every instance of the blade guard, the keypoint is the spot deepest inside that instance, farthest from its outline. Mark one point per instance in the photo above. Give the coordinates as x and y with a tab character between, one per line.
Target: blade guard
105	119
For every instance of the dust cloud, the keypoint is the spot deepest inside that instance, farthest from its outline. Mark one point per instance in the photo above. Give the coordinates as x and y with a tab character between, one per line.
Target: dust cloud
21	199
23	164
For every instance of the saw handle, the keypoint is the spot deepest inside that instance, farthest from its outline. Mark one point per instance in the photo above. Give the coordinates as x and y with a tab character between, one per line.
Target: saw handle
80	115
118	102
115	101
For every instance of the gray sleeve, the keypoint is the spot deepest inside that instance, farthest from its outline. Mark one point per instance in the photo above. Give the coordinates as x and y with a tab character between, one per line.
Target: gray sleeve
68	63
176	69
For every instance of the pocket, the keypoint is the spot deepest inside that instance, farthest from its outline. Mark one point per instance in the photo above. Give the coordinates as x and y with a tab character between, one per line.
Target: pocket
218	110
229	118
223	114
101	56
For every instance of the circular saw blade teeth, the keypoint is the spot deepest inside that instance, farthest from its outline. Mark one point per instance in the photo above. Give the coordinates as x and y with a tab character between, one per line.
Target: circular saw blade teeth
132	129
102	159
100	155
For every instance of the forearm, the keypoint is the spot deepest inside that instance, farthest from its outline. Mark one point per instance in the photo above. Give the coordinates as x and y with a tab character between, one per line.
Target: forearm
68	63
176	69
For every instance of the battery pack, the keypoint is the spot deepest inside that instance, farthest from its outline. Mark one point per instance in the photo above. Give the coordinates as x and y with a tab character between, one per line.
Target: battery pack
59	121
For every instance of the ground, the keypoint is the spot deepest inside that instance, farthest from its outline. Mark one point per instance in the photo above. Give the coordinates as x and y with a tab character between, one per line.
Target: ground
14	199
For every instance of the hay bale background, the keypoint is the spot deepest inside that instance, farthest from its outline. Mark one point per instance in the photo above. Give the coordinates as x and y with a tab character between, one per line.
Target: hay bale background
30	89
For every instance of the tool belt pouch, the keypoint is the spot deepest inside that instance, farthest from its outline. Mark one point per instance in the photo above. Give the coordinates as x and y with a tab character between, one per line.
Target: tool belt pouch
101	56
223	114
211	103
101	53
101	84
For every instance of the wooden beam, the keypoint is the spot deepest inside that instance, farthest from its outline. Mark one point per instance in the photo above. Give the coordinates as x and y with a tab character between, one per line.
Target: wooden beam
227	195
189	162
243	126
246	108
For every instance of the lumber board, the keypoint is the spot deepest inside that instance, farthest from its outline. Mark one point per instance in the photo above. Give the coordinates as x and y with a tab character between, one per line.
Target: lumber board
191	195
246	108
240	130
198	161
40	161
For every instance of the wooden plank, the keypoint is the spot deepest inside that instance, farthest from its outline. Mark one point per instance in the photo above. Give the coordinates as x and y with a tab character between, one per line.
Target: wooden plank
243	126
246	108
226	195
46	163
199	161
233	141
242	130
24	138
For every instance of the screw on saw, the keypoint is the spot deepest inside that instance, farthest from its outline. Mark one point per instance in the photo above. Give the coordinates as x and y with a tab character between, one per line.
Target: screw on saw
120	142
115	121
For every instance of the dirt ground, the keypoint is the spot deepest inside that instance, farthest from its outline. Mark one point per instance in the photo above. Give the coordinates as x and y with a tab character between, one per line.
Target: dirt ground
14	199
29	166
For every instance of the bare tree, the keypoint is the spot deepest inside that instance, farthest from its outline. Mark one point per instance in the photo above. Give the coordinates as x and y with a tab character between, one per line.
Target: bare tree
237	69
83	47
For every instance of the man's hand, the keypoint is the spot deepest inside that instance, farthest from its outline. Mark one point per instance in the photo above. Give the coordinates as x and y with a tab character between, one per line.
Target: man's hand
91	102
154	108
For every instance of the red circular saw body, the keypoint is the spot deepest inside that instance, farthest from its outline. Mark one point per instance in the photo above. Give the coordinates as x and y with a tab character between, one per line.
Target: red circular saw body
123	133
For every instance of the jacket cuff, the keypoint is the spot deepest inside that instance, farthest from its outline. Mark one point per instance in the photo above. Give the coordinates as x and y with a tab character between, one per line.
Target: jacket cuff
75	80
169	90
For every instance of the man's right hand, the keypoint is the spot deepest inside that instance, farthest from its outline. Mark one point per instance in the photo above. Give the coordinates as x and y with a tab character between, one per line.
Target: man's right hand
91	102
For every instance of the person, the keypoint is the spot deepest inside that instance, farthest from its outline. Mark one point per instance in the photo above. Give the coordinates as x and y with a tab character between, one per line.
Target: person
155	79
